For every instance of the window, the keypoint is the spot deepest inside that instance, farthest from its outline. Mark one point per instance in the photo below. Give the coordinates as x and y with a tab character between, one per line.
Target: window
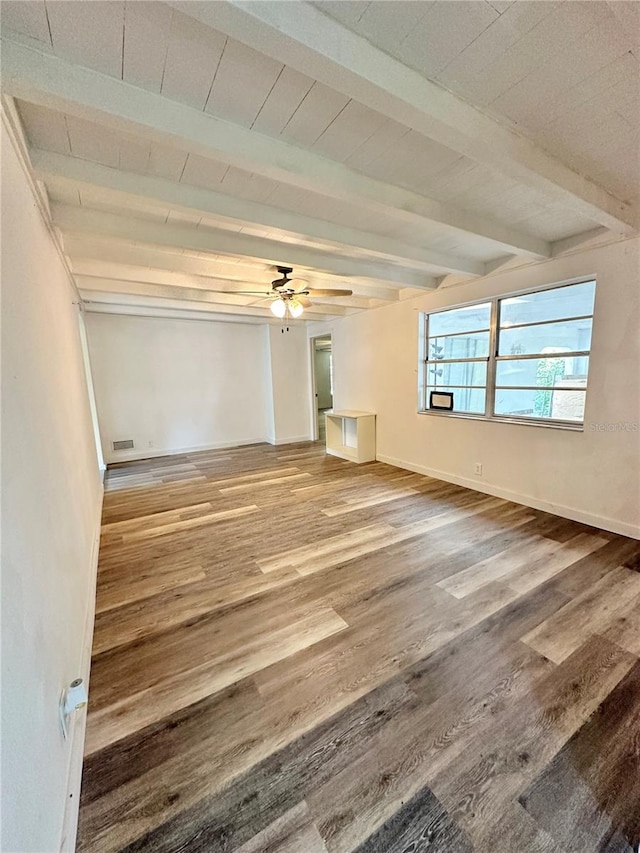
522	357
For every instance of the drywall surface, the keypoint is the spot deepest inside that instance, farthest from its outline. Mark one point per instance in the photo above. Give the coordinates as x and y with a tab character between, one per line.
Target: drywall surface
174	385
593	475
51	501
290	384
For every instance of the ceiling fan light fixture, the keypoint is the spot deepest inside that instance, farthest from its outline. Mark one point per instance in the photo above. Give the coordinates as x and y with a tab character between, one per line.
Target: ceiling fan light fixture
295	308
278	307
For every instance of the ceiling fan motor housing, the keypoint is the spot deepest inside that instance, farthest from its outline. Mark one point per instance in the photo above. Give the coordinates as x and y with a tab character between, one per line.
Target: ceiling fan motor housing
285	272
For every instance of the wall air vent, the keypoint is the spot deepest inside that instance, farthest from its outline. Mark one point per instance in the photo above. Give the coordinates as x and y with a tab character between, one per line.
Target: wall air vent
127	444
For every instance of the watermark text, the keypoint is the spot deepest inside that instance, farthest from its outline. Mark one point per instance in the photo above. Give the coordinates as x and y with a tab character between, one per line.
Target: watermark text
614	426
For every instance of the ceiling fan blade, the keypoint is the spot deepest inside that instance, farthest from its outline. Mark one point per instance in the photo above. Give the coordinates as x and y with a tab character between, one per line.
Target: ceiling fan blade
264	293
260	302
306	303
313	292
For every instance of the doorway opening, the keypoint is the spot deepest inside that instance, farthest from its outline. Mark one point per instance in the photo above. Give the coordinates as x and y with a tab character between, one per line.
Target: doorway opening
322	364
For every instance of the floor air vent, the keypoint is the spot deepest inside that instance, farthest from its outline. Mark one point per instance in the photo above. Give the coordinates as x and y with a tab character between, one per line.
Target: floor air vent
127	444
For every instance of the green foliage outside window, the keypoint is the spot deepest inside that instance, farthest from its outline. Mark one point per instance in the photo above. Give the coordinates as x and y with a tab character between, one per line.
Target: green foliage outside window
548	371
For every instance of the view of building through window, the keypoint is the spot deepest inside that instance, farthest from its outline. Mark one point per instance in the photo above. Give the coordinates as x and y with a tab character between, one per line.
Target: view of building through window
524	356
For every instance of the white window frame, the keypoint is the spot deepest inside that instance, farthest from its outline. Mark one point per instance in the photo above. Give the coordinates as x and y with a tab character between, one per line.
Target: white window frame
493	359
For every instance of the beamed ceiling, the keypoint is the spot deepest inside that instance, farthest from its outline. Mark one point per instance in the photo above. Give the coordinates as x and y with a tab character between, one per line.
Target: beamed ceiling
187	148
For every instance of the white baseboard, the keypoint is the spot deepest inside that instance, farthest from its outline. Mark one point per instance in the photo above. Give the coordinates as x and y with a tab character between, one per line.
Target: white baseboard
78	721
296	439
152	453
600	521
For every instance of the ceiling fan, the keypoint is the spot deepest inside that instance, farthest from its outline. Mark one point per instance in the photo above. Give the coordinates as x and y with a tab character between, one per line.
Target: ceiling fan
285	297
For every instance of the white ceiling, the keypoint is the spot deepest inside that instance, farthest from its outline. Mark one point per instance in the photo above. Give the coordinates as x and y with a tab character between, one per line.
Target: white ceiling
564	73
181	162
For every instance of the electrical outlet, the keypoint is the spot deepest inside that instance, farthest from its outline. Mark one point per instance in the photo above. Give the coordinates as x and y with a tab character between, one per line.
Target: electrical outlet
477	469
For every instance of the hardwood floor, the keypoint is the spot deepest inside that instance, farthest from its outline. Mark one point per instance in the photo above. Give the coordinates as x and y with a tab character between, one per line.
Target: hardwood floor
296	653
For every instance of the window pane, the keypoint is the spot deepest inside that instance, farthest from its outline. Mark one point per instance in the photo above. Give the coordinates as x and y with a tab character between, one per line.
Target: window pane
475	345
575	300
567	336
560	405
465	399
457	373
557	370
467	319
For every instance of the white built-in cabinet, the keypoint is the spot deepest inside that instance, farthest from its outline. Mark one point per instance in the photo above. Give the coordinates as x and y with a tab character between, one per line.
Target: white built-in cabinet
351	435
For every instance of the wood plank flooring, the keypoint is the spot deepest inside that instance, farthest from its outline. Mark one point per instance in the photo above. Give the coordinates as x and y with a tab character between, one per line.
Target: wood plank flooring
296	654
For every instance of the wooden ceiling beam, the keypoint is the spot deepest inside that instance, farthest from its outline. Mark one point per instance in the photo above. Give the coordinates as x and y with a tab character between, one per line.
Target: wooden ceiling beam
119	261
105	302
49	81
84	220
328	51
128	186
236	304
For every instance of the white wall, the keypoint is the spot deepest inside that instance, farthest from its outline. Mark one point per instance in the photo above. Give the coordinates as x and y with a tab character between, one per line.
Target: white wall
290	384
174	385
51	502
591	476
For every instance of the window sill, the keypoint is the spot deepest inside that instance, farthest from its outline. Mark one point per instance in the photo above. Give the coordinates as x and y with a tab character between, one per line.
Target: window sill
566	425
